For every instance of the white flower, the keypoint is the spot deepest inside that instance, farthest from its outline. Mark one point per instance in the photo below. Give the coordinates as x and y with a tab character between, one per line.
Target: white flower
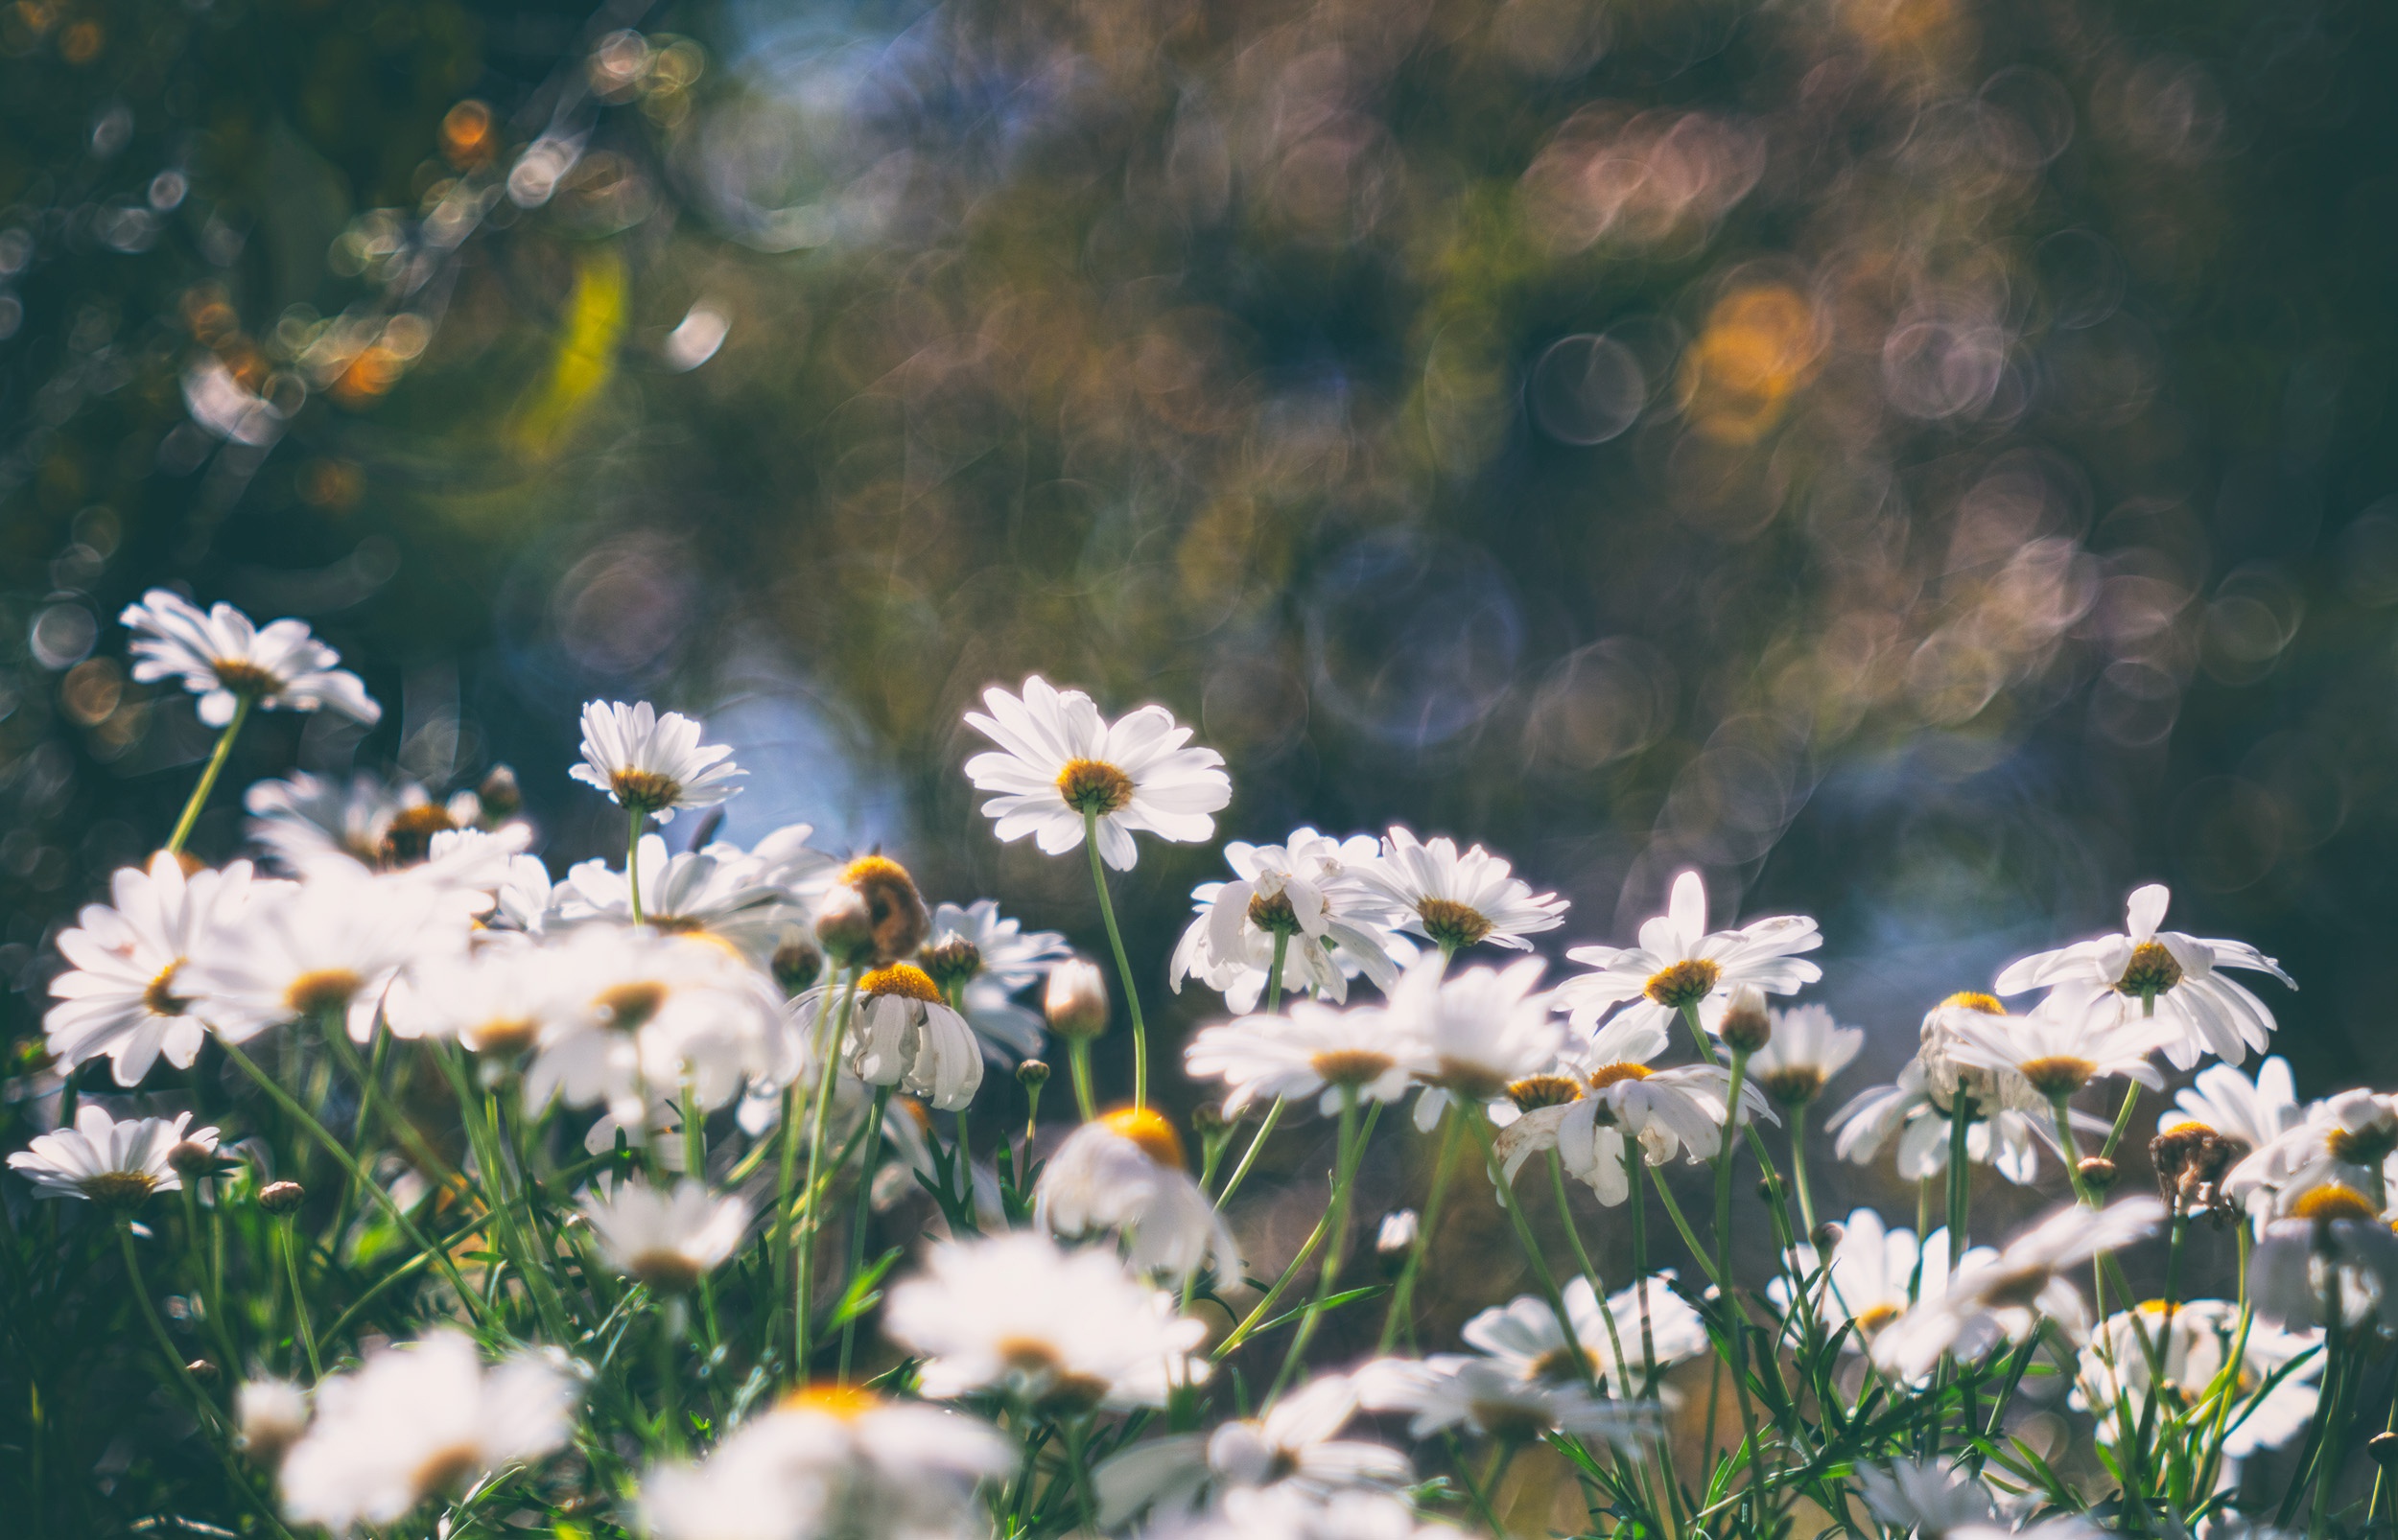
492	997
665	1239
2004	1138
1474	1034
1456	901
1597	1100
222	657
124	997
1315	1050
2057	1055
1060	761
742	897
324	948
1525	1336
1806	1050
2191	1343
1492	1398
1064	1330
652	763
989	961
1680	963
1311	892
1294	1443
2333	1245
2172	977
416	1420
2253	1111
108	1161
2344	1141
1125	1172
1873	1275
1929	1500
2004	1298
1287	1510
306	819
270	1417
902	1034
1397	1234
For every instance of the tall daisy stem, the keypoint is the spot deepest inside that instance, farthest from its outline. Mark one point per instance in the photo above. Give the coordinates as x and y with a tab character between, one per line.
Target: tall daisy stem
863	1213
208	776
827	1072
1344	1177
300	1299
1123	964
1273	1113
1398	1317
632	860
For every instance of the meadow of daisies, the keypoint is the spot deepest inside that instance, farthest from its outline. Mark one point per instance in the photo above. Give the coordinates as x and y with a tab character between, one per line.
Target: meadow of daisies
742	1193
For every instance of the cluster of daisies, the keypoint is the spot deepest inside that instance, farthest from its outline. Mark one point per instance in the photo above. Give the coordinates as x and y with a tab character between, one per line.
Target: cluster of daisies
672	1168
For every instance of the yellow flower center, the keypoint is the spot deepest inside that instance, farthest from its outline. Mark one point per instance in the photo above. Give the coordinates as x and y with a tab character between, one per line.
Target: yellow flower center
2367	1146
894	907
1794	1084
847	1401
160	998
2020	1287
2057	1074
2332	1202
245	678
1453	924
1350	1066
503	1035
1988	1004
1684	983
117	1189
445	1467
664	1270
1271	912
2152	971
904	979
1562	1366
1094	786
1615	1074
327	988
1147	1128
628	1007
410	837
1535	1091
1509	1420
1874	1317
644	791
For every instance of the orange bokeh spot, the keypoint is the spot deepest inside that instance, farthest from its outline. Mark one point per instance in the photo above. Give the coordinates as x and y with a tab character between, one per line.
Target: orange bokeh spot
1759	346
468	138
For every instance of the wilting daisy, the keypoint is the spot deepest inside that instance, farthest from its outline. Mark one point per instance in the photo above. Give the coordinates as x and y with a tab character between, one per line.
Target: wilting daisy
1065	1331
2162	975
2003	1299
325	948
1059	763
417	1420
2057	1056
1455	900
652	763
2333	1247
1295	1443
221	657
1125	1172
1314	1050
116	1165
1472	1035
667	1239
1680	963
1874	1273
985	961
2344	1141
902	1034
1806	1050
1927	1499
1309	894
741	897
1525	1336
122	996
1495	1399
2189	1343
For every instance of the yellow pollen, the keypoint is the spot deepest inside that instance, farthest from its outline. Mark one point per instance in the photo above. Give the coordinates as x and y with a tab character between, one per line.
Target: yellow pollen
1876	1317
1094	786
2333	1201
847	1401
118	1188
1535	1091
644	791
160	998
1988	1004
628	1007
1684	983
1453	924
2151	970
245	678
504	1035
1147	1128
2057	1074
445	1467
1350	1066
904	979
868	869
1559	1365
1026	1354
328	989
2367	1146
1615	1074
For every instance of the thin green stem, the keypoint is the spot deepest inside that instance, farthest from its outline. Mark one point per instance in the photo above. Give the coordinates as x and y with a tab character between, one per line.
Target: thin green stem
1798	1168
1403	1292
864	1212
299	1297
1478	1124
208	776
1123	964
1249	1157
2123	1117
828	1071
1348	1147
2063	1116
632	860
1078	1067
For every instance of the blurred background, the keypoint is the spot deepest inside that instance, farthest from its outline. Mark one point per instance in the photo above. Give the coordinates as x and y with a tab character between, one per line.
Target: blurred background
1922	463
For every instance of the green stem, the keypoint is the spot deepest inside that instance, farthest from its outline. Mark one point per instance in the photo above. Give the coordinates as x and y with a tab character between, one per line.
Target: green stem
1348	1147
828	1071
1689	1238
1256	1142
1403	1291
1798	1168
1123	964
632	861
300	1299
208	776
2122	1119
2063	1116
1589	1271
1736	1319
1478	1124
864	1212
1078	1066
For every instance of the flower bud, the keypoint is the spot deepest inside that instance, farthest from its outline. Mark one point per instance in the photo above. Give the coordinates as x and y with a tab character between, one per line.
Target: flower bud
203	1369
845	927
2384	1447
1077	1000
1032	1074
796	964
951	961
2098	1173
1827	1235
190	1160
500	796
281	1197
1396	1239
1745	1026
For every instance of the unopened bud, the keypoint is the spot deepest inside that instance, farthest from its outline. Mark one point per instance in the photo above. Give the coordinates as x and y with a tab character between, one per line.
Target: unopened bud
281	1197
1398	1235
2098	1173
1745	1026
2384	1447
1032	1074
845	927
500	796
1827	1235
191	1159
1077	1000
951	961
204	1370
796	964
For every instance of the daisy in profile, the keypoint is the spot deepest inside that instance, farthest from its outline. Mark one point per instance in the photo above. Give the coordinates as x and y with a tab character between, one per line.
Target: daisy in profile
123	997
2005	1297
1806	1050
1455	900
1496	1400
1525	1338
2191	1343
1312	1050
1680	962
652	763
2057	1056
1296	1442
902	1033
1125	1172
490	998
115	1164
722	891
2343	1141
1285	1510
666	1240
1596	1103
1871	1275
325	948
2004	1138
2164	974
2224	1101
1308	893
1062	1331
1475	1034
1061	766
418	1420
982	960
2330	1255
225	660
304	819
867	1467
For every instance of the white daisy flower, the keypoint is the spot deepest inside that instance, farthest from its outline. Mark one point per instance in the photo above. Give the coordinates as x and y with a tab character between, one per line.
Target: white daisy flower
2160	973
1125	1172
902	1033
304	819
1680	963
2334	1242
1286	1510
221	657
1930	1499
1065	1331
2057	1056
113	1163
1473	1034
1492	1398
747	1488
418	1420
491	997
1456	901
666	1239
2006	1138
2005	1297
1593	1103
2191	1343
1295	1442
1806	1050
746	898
987	961
125	997
1311	894
268	1417
1525	1338
1873	1274
1058	760
320	949
652	763
2227	1102
1314	1050
2345	1140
